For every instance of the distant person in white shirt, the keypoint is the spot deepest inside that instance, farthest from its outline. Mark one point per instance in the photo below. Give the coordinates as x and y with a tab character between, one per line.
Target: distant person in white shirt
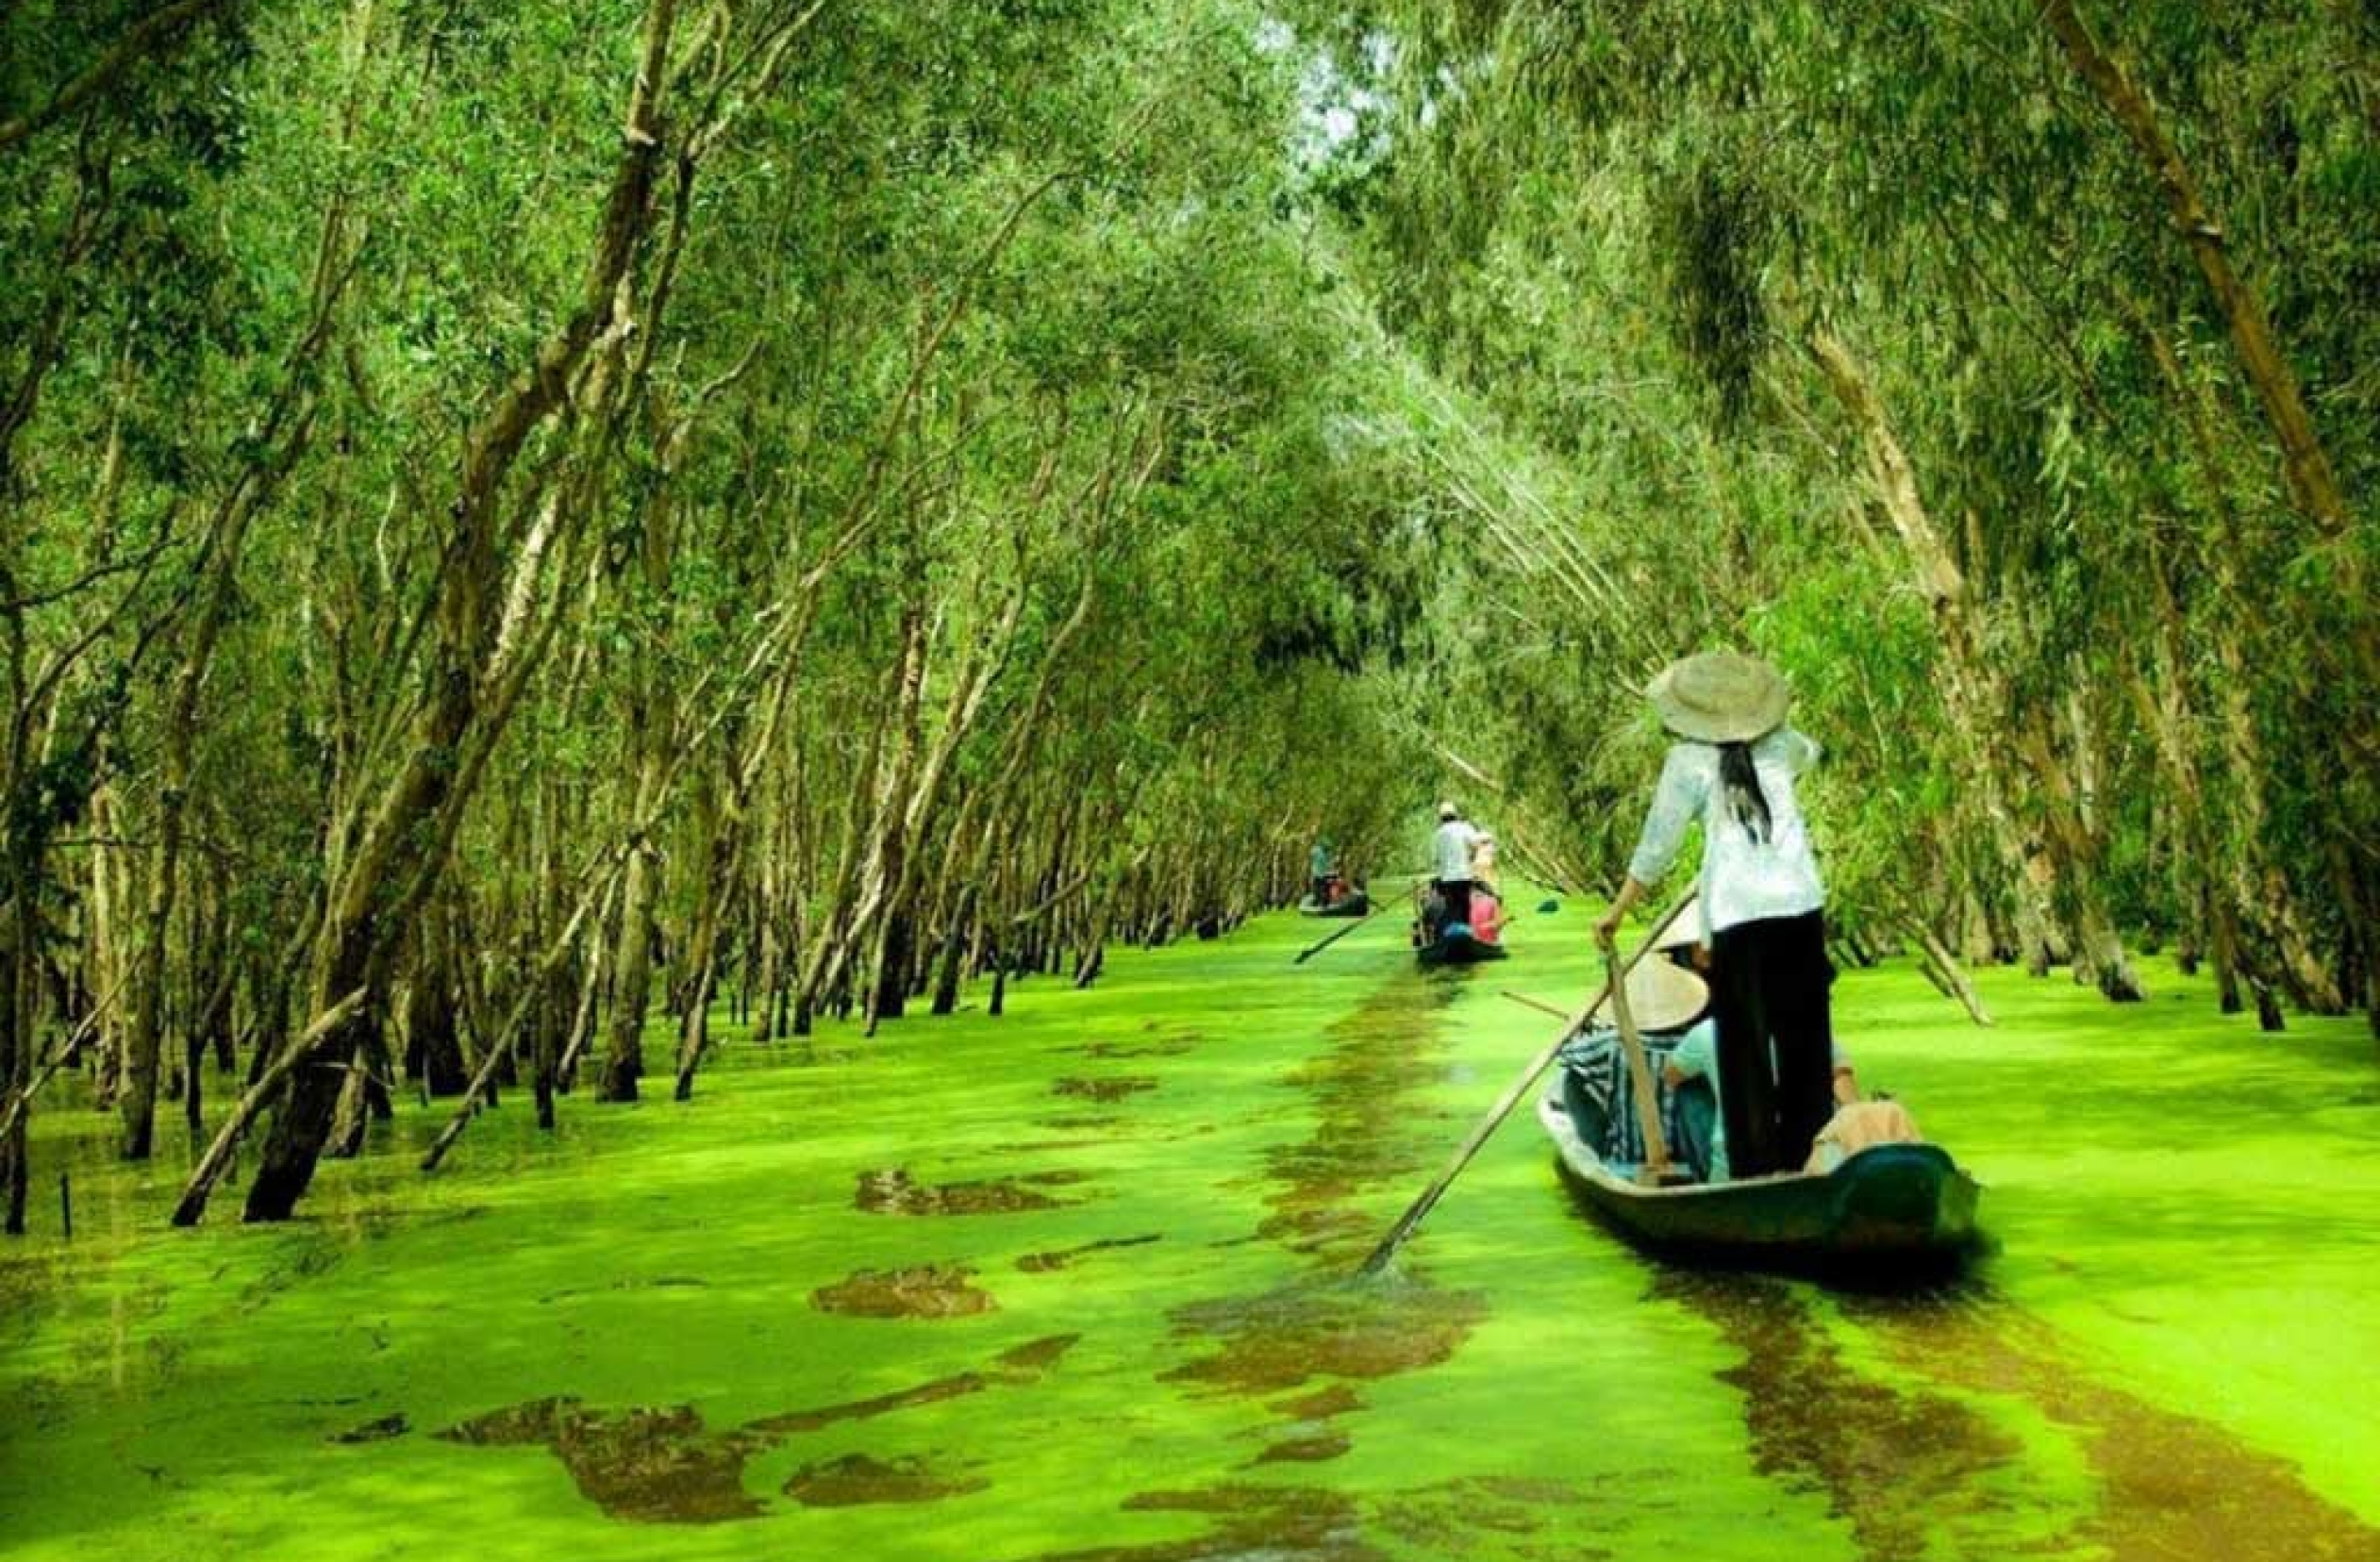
1450	863
1732	768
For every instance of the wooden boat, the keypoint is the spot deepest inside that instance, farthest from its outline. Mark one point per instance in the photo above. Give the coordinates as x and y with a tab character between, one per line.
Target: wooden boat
1456	946
1356	903
1891	1206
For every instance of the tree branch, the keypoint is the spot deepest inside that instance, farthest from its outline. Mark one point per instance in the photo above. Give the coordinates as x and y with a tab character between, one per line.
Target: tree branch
148	37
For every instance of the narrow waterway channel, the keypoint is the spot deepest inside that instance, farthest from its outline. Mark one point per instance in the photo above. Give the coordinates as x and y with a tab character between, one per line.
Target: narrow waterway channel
1074	1283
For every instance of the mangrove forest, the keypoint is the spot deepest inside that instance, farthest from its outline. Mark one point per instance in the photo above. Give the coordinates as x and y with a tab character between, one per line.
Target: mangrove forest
1058	781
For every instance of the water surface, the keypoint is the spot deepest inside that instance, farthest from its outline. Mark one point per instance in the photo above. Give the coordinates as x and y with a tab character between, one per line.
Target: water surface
1072	1282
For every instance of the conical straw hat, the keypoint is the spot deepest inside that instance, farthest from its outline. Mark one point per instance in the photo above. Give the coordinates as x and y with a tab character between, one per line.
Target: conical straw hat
1661	997
1719	697
1683	929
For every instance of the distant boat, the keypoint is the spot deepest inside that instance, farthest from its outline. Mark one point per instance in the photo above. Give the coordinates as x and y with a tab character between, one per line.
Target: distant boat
1354	903
1887	1207
1457	946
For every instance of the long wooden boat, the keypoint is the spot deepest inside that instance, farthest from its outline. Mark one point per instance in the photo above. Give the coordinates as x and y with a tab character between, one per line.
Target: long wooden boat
1888	1206
1355	905
1458	948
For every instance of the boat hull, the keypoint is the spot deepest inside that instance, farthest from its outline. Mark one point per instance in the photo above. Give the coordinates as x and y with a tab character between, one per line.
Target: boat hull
1460	948
1890	1204
1353	905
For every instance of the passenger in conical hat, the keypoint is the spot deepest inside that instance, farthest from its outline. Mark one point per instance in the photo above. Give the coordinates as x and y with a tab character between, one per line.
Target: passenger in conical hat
1662	999
1670	1005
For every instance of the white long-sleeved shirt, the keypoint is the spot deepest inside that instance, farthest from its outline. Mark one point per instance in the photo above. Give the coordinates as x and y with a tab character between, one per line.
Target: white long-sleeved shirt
1450	851
1743	880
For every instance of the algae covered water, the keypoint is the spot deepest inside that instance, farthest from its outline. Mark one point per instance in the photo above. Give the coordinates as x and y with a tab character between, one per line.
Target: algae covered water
1075	1283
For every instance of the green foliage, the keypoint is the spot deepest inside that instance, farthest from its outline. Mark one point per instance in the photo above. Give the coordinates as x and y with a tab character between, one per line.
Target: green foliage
1043	462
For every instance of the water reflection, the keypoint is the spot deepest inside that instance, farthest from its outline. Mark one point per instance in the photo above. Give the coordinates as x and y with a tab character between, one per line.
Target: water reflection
920	1290
1579	1402
665	1466
1058	1258
893	1192
1325	1329
1103	1089
1921	1452
2169	1485
1896	1464
855	1480
1251	1522
1329	1329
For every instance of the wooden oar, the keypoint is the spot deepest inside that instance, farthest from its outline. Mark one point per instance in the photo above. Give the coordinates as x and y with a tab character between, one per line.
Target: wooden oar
1656	1170
1537	1003
1378	905
1413	1216
1312	949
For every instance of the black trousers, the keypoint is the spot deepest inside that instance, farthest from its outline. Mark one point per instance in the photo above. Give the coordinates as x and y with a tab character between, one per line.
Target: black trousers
1457	894
1776	1040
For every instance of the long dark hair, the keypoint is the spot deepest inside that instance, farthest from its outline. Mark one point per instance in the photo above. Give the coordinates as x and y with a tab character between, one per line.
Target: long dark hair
1747	805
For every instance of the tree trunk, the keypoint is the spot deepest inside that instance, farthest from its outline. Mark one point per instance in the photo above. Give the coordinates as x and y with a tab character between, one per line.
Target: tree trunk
724	867
2304	462
2099	950
433	1041
2255	902
632	991
403	851
107	959
1973	693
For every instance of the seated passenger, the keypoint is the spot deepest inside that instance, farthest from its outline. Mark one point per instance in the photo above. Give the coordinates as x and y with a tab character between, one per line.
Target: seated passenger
1669	1004
1691	1072
1431	919
1487	916
1483	863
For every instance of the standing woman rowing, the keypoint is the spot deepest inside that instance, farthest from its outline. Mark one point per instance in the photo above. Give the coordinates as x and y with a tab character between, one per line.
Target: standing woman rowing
1732	767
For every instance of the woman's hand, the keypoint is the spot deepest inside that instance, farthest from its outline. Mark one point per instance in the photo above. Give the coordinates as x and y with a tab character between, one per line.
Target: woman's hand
1607	927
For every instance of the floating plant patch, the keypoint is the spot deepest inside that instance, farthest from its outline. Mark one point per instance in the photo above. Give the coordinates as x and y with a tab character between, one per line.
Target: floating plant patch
893	1192
924	1291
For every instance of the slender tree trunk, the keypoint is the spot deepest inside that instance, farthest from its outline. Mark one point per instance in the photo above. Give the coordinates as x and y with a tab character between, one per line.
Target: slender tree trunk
1973	693
403	851
724	867
632	965
433	1042
2099	949
106	957
2266	924
2304	462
